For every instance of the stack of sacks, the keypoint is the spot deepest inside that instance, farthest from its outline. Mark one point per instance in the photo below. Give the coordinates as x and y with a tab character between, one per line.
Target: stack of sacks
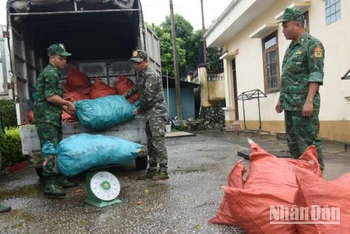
124	84
78	87
273	183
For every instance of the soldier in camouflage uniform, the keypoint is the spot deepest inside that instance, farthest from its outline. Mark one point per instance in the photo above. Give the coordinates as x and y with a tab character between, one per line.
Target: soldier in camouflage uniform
152	106
302	74
2	131
48	107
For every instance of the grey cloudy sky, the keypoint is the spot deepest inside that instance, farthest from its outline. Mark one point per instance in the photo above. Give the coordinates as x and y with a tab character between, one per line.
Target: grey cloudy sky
155	11
2	11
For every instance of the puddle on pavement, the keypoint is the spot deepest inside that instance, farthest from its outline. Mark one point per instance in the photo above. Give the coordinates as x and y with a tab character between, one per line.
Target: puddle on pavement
18	219
26	191
206	150
20	214
208	167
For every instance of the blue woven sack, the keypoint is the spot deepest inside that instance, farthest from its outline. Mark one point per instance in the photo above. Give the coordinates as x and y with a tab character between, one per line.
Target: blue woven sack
78	153
104	112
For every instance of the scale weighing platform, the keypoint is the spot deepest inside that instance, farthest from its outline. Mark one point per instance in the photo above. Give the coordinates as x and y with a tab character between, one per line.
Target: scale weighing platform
103	188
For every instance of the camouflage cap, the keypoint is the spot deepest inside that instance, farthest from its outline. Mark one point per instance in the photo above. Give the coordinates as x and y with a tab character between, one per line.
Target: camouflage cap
57	49
139	56
292	14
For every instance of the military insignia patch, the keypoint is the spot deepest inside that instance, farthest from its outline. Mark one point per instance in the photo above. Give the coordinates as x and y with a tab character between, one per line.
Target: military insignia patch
299	52
318	52
135	53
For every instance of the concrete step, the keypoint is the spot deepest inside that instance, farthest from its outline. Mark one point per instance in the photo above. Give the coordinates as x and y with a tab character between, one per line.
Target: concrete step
281	135
235	127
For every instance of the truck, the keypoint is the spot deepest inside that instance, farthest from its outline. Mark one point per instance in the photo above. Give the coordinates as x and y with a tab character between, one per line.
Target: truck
100	34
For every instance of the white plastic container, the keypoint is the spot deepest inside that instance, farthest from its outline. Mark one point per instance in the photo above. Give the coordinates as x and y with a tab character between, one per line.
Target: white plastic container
168	128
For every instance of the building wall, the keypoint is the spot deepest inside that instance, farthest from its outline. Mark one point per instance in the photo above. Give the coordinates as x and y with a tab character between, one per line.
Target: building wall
335	109
187	102
216	85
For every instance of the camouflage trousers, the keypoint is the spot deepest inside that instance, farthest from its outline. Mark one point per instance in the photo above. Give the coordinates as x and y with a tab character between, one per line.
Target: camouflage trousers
303	132
52	133
155	130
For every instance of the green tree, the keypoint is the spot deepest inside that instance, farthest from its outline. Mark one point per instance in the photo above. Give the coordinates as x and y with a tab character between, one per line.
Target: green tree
214	64
189	46
184	37
166	51
194	51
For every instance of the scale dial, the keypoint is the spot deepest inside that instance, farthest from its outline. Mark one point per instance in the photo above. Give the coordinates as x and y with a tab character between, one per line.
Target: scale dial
105	186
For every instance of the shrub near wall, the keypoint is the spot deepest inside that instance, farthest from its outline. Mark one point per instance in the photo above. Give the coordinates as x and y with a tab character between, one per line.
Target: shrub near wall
8	111
11	148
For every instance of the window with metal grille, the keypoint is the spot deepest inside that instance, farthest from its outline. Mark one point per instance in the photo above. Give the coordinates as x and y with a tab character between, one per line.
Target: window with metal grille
333	11
271	63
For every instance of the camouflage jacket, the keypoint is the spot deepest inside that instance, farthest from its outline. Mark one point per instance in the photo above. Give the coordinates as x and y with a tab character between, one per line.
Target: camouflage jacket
302	64
49	83
150	87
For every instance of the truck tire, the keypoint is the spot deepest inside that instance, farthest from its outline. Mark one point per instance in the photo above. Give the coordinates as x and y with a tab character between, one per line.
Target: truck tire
39	172
141	163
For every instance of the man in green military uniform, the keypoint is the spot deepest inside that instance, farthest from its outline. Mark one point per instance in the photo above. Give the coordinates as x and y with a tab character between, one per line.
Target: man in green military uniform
48	107
302	74
152	105
2	131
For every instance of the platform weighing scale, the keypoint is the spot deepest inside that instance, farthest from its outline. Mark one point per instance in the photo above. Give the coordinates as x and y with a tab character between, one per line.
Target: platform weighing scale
103	189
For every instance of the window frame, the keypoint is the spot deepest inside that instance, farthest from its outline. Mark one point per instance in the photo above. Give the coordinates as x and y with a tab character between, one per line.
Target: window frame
307	25
264	53
328	16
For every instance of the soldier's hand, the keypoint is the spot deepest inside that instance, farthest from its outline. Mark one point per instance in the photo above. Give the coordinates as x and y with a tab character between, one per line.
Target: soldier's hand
308	109
136	112
278	107
70	108
71	113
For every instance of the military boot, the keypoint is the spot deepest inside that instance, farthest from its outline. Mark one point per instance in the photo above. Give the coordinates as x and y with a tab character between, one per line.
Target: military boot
4	208
52	189
148	175
64	182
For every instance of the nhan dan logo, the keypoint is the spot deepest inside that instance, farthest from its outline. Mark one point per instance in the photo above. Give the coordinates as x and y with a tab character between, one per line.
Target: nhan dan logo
314	214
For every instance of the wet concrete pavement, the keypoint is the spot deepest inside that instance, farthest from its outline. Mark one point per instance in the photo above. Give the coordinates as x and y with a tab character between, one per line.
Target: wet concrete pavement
198	166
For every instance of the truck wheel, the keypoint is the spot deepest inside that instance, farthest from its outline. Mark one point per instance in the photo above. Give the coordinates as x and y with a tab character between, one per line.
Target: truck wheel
141	163
39	172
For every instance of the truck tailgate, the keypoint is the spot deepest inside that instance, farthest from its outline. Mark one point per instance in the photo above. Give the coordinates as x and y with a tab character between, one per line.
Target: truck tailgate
133	130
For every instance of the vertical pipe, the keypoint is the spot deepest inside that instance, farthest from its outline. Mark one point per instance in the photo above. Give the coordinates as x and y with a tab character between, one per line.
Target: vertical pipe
176	65
167	92
203	32
245	125
259	110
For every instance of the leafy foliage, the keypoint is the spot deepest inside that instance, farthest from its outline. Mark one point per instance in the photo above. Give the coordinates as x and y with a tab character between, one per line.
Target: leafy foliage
189	45
8	111
11	149
214	64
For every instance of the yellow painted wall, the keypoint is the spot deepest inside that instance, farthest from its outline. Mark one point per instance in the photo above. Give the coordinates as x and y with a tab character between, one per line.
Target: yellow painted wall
216	90
330	130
